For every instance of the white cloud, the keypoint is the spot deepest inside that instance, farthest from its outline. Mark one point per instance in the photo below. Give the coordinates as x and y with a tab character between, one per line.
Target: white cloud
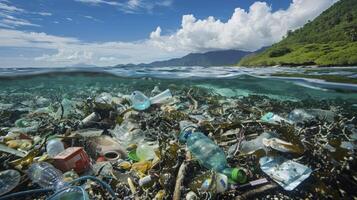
44	13
13	22
131	6
8	13
70	51
95	2
245	30
8	8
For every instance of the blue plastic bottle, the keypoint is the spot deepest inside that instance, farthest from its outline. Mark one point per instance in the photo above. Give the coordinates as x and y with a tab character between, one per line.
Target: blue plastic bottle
209	154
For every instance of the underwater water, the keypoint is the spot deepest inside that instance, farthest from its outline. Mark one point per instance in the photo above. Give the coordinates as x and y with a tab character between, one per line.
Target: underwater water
29	89
224	81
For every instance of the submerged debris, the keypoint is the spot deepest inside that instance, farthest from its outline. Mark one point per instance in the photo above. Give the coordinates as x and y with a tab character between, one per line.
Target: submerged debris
131	147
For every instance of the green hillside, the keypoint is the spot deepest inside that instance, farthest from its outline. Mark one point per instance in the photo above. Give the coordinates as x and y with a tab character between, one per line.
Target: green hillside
331	39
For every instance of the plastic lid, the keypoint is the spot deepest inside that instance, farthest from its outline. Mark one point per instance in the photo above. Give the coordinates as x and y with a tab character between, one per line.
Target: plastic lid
238	175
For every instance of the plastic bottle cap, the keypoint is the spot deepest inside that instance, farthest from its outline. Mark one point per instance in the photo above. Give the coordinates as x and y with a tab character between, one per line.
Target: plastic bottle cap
239	175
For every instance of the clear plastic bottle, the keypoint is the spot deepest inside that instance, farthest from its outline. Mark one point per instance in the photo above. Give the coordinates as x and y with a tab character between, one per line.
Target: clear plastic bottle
207	152
46	175
54	147
305	115
9	179
139	101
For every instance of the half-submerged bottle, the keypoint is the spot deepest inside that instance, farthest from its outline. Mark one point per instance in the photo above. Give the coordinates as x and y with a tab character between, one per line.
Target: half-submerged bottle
209	154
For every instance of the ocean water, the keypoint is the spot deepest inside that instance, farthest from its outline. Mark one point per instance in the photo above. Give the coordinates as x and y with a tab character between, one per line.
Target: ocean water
224	81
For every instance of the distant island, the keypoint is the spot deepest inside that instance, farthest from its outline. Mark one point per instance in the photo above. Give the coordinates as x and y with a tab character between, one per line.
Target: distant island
329	40
212	58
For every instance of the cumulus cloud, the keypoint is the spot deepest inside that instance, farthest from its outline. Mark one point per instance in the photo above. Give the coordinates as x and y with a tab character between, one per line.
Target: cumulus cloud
245	30
70	51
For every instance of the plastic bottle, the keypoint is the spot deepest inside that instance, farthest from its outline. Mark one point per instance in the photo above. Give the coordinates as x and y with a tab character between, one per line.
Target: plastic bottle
208	153
45	175
305	115
54	147
9	179
139	101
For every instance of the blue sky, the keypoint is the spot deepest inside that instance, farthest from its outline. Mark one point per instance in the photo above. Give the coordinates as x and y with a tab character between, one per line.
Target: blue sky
56	33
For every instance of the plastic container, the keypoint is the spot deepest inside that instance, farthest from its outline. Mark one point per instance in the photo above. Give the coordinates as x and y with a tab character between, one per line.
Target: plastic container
162	97
208	153
9	179
54	147
70	193
145	152
305	115
128	133
139	101
46	175
72	158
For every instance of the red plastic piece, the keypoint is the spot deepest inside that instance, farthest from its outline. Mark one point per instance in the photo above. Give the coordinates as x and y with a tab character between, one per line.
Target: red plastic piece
72	158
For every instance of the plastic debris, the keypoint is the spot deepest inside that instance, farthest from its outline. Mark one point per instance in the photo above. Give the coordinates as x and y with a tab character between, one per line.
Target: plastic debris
139	101
286	173
47	176
207	152
348	145
274	118
107	147
145	152
281	145
72	158
138	153
54	147
305	115
161	98
9	179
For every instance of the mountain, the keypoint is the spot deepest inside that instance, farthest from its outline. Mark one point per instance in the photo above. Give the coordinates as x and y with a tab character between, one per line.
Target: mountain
212	58
329	40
